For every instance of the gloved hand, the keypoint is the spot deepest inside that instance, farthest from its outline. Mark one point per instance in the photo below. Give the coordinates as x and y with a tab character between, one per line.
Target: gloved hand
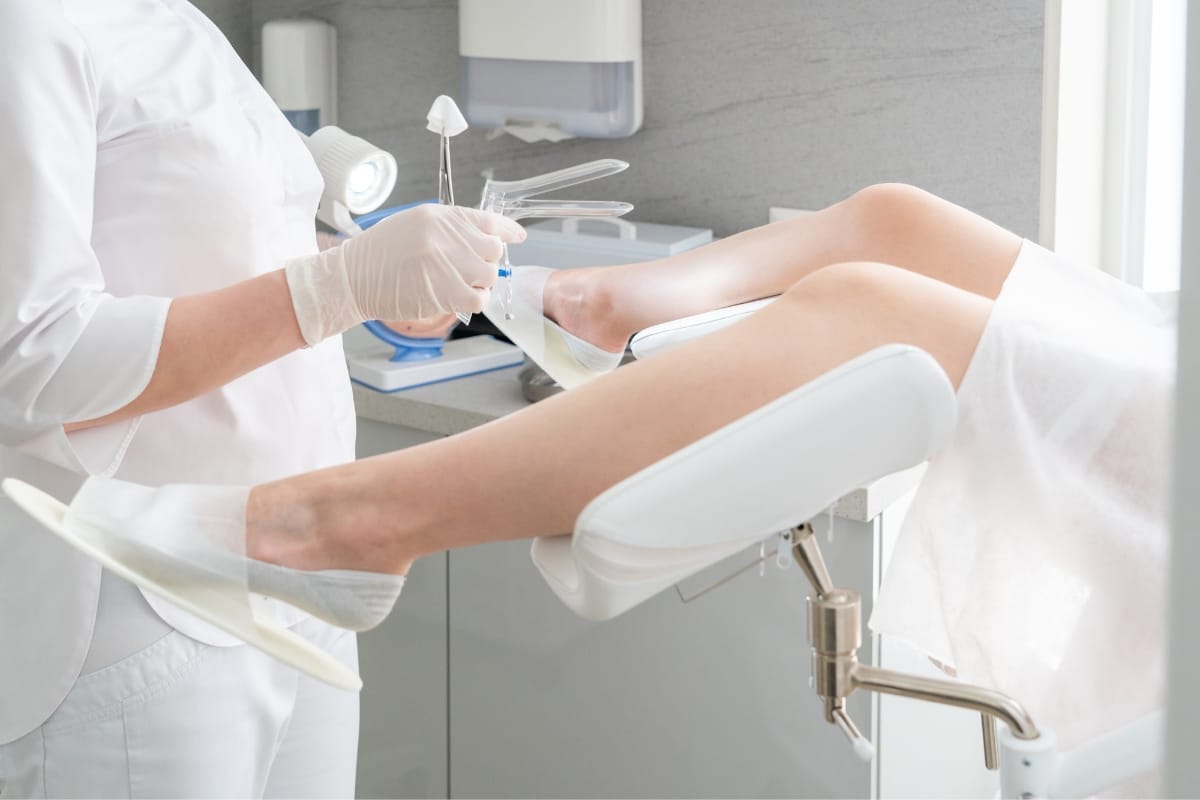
421	262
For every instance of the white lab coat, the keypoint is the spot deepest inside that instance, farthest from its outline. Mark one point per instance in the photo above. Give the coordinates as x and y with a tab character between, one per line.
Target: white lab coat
140	161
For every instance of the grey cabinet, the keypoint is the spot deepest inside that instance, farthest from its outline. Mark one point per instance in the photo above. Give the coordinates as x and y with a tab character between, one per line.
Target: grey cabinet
482	684
705	699
402	748
403	736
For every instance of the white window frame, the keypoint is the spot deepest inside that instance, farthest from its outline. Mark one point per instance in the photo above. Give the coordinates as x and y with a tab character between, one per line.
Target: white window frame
1182	769
1096	127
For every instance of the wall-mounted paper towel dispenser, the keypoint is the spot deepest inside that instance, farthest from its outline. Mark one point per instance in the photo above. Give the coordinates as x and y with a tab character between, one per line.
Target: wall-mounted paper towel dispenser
552	69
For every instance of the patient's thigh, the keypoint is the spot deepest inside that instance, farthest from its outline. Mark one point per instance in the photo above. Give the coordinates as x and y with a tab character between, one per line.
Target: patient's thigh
844	310
908	227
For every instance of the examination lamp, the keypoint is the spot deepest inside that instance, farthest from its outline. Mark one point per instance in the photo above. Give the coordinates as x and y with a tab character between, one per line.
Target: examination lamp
358	176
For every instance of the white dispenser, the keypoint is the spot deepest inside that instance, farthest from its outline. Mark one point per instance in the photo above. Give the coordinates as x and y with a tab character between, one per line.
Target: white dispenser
299	60
552	69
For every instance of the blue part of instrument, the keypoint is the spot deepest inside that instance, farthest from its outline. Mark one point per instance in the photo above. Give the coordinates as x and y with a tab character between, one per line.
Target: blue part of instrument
370	218
408	348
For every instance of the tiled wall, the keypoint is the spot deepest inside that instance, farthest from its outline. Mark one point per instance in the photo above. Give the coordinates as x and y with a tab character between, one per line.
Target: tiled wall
749	103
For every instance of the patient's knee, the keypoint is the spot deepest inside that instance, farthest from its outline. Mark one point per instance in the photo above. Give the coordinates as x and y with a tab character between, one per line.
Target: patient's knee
849	283
887	200
882	212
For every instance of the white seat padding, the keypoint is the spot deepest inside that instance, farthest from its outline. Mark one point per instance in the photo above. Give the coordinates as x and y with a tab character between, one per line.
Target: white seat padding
774	468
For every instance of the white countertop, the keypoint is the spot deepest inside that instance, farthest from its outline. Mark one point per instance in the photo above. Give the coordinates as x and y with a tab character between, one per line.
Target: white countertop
454	406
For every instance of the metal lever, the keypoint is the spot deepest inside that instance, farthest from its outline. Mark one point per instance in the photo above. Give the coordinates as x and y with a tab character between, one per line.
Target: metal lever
991	747
863	748
835	634
445	176
808	555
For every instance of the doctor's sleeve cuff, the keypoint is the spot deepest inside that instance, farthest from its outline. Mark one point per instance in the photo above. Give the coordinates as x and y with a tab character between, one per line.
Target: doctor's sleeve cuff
108	365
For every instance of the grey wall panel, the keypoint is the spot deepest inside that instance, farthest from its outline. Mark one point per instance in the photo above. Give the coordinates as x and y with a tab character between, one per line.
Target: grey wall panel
233	18
748	104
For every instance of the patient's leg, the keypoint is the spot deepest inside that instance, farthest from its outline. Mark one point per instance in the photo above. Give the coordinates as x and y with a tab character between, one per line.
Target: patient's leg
531	473
887	223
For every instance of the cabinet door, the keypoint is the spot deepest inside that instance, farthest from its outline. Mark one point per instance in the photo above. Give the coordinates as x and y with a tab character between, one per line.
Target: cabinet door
707	699
402	740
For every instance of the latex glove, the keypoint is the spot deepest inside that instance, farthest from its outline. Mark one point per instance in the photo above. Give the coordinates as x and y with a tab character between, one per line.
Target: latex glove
424	261
437	326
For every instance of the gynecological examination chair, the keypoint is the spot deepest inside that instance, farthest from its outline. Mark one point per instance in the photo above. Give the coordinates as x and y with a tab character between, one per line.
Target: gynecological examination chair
733	489
743	484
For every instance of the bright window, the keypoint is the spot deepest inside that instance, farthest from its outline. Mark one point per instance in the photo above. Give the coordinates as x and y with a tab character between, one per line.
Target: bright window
1164	162
1113	131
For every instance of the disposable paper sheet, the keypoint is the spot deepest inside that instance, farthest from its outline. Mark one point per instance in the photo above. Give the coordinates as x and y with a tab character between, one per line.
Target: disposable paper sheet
529	330
184	544
189	538
1034	556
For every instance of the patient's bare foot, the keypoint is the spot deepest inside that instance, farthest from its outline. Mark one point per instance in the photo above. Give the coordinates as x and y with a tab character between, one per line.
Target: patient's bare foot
587	304
330	519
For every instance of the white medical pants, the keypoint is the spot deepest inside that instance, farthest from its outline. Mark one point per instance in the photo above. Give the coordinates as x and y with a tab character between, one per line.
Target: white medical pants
178	718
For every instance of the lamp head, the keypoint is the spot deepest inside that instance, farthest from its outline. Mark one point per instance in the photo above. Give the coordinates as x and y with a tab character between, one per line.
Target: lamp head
358	176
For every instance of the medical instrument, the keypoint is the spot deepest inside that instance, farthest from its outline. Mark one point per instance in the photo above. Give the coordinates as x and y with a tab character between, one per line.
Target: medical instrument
548	71
511	199
299	71
446	120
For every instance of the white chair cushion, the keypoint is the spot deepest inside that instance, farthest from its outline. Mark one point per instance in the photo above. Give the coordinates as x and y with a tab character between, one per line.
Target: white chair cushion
774	468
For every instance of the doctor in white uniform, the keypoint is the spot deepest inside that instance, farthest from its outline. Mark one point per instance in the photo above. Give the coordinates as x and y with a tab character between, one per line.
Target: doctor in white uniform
151	194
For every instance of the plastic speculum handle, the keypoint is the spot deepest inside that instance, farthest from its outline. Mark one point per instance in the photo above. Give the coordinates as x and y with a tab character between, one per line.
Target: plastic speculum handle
523	209
551	181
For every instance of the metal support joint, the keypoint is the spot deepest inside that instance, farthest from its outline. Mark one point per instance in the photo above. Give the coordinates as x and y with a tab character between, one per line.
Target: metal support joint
835	634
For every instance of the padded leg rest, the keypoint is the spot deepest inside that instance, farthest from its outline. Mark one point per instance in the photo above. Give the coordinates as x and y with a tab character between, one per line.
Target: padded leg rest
776	467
